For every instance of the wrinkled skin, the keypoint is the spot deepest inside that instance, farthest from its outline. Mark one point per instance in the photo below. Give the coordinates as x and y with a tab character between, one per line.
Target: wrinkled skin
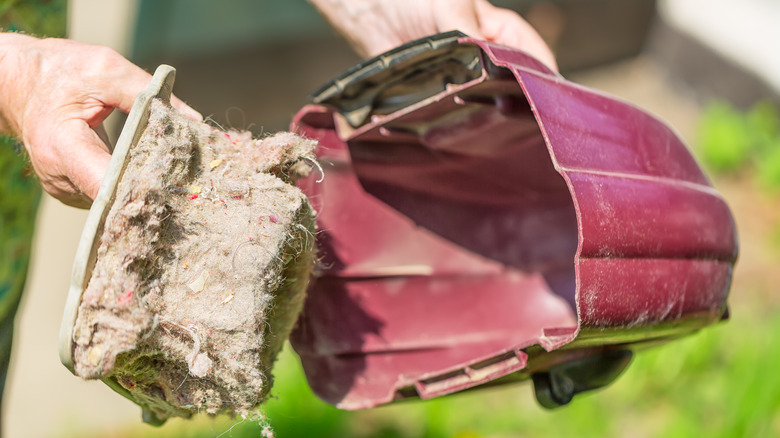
375	26
56	93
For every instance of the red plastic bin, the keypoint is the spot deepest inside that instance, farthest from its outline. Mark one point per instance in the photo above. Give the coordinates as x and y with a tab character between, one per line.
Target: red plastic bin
485	221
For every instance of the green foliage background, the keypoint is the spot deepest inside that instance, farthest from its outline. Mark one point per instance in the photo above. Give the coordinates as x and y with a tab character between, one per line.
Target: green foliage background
733	142
721	382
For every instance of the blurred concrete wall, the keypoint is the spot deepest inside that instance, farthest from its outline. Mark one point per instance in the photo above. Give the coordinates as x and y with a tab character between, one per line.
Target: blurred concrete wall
722	49
109	23
746	32
186	28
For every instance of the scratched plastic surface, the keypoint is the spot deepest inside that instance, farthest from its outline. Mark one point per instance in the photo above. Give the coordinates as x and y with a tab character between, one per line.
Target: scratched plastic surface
469	234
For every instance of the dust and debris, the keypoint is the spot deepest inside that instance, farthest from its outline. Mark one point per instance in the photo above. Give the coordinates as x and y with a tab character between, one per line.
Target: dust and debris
192	297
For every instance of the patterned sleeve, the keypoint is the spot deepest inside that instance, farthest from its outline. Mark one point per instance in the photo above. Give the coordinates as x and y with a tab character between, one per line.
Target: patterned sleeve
19	189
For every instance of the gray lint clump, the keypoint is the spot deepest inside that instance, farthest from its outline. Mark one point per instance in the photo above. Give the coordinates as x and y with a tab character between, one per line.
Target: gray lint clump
201	269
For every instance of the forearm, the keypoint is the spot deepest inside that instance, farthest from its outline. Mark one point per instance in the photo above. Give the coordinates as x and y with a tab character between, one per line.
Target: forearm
13	87
374	26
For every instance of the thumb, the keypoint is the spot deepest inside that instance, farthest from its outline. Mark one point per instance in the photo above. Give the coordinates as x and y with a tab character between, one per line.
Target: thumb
86	165
457	15
506	27
121	84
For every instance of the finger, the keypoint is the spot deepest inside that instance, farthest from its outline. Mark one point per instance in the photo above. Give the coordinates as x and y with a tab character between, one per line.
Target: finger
457	15
61	188
121	86
506	27
185	109
105	142
73	198
87	159
121	80
138	80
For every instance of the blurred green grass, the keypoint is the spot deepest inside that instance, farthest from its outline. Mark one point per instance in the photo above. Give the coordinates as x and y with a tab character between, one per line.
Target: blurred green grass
733	141
721	382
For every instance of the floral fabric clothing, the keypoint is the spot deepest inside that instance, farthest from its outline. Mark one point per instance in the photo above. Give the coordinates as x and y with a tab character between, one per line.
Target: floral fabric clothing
20	191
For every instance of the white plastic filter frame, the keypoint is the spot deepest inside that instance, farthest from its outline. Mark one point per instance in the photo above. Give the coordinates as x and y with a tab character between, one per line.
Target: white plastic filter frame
160	87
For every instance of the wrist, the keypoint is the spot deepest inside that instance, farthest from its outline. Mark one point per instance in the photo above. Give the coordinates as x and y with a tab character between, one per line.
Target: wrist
374	26
359	22
15	80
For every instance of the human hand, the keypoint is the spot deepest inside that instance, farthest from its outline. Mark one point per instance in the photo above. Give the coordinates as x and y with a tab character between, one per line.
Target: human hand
56	94
375	26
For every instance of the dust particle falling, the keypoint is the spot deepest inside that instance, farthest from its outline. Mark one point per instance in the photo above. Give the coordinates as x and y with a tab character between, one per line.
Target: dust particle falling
201	270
